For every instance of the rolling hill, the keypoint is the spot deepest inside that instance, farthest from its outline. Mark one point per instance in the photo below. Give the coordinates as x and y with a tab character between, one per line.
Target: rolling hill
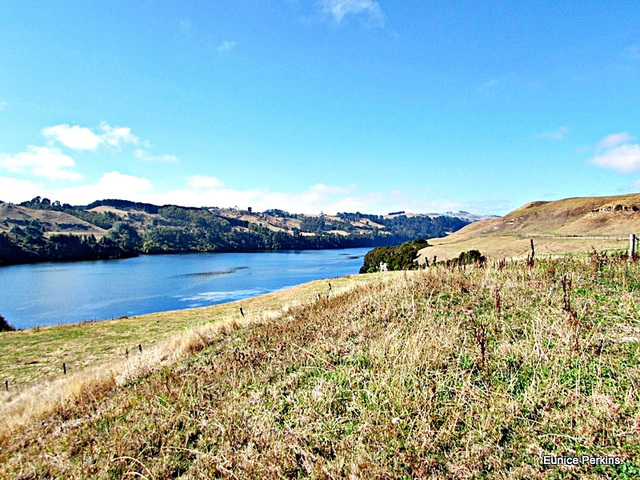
568	225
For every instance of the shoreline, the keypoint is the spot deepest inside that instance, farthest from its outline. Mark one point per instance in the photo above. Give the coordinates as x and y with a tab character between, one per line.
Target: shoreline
31	356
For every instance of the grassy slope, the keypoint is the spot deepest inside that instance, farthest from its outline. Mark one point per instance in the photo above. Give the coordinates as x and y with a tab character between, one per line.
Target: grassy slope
567	225
56	222
34	355
470	373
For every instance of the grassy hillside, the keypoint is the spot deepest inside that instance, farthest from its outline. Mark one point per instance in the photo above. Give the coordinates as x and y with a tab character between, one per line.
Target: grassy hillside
50	221
568	225
439	373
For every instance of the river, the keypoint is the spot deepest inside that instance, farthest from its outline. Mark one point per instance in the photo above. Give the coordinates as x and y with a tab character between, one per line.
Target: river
54	293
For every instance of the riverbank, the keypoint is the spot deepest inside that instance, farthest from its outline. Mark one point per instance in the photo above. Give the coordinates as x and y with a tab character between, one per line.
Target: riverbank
35	355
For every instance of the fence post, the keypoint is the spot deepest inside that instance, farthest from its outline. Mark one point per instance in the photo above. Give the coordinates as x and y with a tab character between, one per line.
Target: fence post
64	368
632	246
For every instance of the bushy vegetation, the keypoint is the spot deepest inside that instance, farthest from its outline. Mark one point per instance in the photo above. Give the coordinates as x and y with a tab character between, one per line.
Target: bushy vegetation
441	373
400	257
466	258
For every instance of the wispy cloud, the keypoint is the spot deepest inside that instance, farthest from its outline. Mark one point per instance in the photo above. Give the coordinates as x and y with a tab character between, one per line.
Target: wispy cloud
614	140
631	53
368	9
3	105
490	84
226	46
558	134
46	162
145	156
618	153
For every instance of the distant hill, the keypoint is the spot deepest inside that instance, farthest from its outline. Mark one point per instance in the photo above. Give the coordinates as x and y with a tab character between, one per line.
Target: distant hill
568	225
41	230
470	217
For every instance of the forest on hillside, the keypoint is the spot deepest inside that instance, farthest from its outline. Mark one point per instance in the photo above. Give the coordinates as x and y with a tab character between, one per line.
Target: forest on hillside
152	229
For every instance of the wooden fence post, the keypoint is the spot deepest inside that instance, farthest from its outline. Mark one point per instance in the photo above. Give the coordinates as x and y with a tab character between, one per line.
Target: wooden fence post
6	385
64	368
632	246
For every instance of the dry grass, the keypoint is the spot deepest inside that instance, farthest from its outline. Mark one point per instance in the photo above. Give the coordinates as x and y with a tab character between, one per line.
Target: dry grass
516	246
465	373
29	357
564	226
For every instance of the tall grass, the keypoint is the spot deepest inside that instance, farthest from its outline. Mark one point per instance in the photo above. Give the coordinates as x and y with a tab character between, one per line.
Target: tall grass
465	372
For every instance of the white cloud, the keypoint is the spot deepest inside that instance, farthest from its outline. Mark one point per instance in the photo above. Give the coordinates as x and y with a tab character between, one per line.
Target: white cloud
110	185
83	138
329	199
226	46
558	134
339	9
209	191
45	162
616	152
14	190
200	182
115	136
74	137
622	159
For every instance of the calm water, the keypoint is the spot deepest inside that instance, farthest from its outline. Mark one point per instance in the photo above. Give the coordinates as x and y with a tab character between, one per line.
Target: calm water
52	293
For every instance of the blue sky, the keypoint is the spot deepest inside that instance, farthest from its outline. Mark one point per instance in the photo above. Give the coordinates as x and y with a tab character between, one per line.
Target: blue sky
320	105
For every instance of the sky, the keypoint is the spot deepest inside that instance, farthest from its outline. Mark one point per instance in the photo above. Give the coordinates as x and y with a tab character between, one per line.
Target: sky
320	105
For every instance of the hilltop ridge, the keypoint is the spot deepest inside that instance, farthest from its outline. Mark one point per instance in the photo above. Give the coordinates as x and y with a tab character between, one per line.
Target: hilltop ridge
575	224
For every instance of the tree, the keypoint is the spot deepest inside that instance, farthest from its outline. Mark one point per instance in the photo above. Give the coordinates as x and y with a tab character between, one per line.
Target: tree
4	325
125	236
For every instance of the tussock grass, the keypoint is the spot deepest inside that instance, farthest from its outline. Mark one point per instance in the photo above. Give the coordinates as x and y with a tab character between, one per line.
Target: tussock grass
442	373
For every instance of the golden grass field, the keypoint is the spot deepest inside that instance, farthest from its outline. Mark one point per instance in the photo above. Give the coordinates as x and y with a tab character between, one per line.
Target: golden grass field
474	372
